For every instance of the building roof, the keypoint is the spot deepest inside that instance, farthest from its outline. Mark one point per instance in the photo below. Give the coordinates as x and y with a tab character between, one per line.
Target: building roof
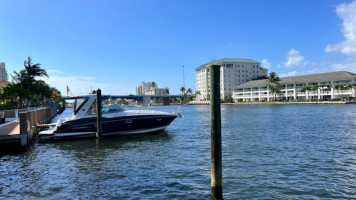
4	83
228	60
310	78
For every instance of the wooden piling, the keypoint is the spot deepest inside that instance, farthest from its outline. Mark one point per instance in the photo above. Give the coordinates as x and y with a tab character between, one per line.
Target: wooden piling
99	127
215	115
24	124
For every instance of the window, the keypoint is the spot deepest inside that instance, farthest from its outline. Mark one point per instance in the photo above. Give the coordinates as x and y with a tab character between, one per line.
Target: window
79	102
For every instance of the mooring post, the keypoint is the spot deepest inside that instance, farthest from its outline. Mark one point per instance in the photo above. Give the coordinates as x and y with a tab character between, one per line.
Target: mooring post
99	127
215	115
23	129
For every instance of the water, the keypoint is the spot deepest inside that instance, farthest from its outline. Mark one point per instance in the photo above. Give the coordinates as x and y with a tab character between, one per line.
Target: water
269	152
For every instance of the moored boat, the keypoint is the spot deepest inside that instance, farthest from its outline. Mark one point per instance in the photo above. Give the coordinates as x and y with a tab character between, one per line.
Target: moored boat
115	121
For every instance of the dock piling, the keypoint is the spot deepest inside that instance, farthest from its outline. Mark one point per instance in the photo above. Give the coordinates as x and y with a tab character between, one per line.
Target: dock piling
23	130
99	126
215	115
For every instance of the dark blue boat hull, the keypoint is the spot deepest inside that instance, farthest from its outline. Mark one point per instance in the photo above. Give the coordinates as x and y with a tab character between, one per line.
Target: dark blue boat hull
117	125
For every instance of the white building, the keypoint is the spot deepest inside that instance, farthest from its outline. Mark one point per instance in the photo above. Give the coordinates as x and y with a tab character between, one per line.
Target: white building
292	88
144	87
3	72
156	91
150	88
233	72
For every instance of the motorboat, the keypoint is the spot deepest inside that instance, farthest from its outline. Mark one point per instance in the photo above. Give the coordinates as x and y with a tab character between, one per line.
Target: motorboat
115	120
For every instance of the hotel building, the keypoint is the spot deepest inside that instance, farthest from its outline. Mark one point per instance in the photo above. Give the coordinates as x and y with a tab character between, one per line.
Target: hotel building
3	72
150	88
233	72
292	88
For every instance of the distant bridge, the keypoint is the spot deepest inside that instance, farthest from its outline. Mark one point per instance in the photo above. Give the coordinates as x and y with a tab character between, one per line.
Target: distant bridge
142	99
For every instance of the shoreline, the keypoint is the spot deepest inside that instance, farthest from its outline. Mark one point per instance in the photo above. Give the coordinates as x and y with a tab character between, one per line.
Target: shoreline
281	103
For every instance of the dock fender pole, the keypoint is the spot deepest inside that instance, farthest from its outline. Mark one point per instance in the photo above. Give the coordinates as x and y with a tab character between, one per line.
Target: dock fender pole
23	129
99	125
215	117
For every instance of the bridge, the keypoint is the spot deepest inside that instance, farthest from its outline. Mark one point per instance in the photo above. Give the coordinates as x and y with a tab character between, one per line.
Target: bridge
142	99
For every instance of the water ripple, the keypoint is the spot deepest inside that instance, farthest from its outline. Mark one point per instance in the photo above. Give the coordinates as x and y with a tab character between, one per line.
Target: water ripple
269	152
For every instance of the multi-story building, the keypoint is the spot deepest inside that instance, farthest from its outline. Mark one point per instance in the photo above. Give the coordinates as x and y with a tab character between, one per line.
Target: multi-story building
156	91
150	88
3	72
233	72
143	87
323	86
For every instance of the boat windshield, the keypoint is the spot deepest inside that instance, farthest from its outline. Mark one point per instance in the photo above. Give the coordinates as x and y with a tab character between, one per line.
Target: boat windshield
105	109
111	108
79	102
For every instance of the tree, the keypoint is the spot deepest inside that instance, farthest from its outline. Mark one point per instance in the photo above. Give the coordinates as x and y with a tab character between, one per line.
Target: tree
328	87
340	87
182	89
275	89
197	93
273	84
351	87
190	91
26	86
229	99
315	88
306	89
167	90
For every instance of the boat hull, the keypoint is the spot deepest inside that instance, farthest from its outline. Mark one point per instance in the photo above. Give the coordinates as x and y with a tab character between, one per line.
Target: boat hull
86	127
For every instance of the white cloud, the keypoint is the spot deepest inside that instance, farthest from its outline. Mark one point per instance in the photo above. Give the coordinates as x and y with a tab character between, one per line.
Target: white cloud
53	71
294	59
292	73
311	71
347	12
80	85
266	64
347	65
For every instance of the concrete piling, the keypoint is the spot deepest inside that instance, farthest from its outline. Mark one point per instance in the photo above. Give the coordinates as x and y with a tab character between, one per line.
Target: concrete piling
215	114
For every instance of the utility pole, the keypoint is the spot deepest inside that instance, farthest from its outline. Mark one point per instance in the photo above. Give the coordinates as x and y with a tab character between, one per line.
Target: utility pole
183	77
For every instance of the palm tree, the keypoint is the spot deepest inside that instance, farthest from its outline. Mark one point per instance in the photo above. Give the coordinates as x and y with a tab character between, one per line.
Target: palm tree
275	89
273	84
306	89
182	89
351	86
340	87
197	93
315	88
190	91
26	78
328	87
167	90
34	70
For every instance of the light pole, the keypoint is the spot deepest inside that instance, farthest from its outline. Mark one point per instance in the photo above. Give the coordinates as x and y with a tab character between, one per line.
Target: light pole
183	77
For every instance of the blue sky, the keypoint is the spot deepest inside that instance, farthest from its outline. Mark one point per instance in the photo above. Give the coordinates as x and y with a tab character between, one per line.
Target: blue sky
114	45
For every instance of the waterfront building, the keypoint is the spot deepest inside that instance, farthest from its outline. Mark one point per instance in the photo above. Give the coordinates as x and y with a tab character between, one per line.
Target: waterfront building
233	72
145	86
150	88
3	72
322	86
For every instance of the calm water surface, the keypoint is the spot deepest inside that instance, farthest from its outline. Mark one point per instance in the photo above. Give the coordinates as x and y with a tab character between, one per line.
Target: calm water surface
269	152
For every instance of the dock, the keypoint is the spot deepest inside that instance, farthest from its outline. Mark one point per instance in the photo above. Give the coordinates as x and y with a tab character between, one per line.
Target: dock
10	132
18	132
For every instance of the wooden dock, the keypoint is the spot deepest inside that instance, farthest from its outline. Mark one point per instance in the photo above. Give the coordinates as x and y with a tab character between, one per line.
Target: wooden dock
10	132
18	133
